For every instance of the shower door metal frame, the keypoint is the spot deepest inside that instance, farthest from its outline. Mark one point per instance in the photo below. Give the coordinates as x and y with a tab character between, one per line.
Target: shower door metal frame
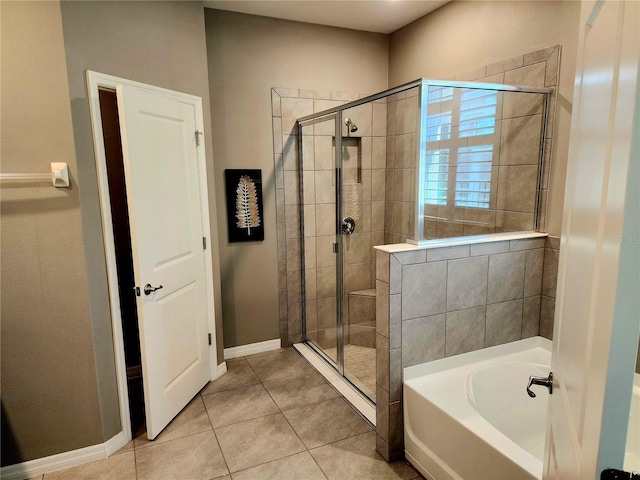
339	248
423	99
338	244
337	114
339	238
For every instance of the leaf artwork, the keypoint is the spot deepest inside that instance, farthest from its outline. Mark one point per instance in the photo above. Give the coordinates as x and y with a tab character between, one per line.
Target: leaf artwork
247	214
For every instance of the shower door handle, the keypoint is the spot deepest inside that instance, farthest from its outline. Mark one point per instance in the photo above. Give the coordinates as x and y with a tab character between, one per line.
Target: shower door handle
348	225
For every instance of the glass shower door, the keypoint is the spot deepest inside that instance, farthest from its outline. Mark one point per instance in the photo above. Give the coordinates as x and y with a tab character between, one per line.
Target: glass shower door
339	275
361	133
322	327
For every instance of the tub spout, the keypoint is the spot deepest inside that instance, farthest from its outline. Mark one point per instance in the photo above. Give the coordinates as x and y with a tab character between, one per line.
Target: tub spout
544	381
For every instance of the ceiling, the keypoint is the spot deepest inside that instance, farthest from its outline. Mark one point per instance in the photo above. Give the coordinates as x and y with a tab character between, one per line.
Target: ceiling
382	16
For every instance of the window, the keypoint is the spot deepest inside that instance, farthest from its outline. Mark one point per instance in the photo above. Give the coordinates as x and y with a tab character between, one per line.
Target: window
473	176
460	137
437	177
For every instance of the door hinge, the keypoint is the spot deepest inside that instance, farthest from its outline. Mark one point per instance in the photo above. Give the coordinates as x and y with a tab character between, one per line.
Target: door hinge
198	138
335	248
209	336
204	243
137	291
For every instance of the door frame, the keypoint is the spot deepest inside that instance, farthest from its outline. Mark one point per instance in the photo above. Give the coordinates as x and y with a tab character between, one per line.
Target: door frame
95	81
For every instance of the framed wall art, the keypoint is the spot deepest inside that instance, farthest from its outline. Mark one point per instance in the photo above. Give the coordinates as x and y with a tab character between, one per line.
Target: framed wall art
244	205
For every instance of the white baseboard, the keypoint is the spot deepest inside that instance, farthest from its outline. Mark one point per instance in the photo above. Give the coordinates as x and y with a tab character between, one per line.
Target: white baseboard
114	444
60	461
220	370
234	352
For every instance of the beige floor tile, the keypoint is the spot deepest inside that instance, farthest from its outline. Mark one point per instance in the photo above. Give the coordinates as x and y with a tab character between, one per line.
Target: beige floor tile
239	374
197	457
234	406
116	467
127	448
284	363
192	419
293	392
356	459
257	441
300	466
326	422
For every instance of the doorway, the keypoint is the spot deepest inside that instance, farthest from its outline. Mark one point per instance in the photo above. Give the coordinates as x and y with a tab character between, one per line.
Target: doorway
124	258
162	163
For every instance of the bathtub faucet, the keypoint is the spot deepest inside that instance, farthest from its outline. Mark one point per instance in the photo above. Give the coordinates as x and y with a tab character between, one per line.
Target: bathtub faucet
545	381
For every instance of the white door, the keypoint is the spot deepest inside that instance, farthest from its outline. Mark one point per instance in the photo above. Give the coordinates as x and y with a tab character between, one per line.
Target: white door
160	143
594	337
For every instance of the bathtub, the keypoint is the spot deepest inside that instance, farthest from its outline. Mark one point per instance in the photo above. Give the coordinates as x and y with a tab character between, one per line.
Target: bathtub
469	417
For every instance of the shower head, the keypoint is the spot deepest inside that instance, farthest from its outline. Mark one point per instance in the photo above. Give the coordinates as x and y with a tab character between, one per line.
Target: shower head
352	126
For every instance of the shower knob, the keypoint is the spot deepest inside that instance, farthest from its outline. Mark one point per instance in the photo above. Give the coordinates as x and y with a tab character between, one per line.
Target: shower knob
348	225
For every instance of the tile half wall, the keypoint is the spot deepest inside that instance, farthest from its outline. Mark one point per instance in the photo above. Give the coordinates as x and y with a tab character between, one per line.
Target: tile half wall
439	302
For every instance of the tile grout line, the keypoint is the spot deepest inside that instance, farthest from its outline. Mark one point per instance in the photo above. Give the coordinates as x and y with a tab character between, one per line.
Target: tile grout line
288	423
215	435
135	459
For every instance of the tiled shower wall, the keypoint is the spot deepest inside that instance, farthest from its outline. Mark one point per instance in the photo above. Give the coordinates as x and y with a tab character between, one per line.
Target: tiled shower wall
400	185
479	295
549	285
362	201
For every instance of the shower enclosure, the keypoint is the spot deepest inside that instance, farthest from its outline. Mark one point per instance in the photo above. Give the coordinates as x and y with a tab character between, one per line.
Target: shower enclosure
418	163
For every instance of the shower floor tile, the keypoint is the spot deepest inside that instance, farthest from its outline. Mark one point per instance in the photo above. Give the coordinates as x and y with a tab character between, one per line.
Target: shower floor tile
359	367
280	444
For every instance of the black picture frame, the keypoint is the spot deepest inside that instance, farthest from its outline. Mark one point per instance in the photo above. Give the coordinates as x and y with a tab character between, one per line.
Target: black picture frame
245	219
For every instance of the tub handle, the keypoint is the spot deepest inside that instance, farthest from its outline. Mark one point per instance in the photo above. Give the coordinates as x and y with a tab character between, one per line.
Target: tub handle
544	381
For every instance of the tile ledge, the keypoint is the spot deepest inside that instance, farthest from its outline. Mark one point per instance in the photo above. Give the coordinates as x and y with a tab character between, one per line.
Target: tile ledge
456	241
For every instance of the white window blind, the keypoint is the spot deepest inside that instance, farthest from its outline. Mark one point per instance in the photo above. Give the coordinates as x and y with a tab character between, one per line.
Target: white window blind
437	177
460	131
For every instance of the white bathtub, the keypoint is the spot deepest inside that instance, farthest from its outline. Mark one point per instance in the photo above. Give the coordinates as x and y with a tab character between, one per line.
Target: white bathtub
469	416
450	407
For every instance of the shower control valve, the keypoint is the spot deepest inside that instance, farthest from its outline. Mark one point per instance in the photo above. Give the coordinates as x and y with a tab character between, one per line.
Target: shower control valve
348	225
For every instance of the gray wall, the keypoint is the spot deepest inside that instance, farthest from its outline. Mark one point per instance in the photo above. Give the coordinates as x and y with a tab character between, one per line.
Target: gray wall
59	388
462	36
159	43
50	394
248	55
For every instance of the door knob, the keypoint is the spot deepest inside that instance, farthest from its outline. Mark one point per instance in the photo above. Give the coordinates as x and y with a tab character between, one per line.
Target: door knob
348	225
148	289
544	381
